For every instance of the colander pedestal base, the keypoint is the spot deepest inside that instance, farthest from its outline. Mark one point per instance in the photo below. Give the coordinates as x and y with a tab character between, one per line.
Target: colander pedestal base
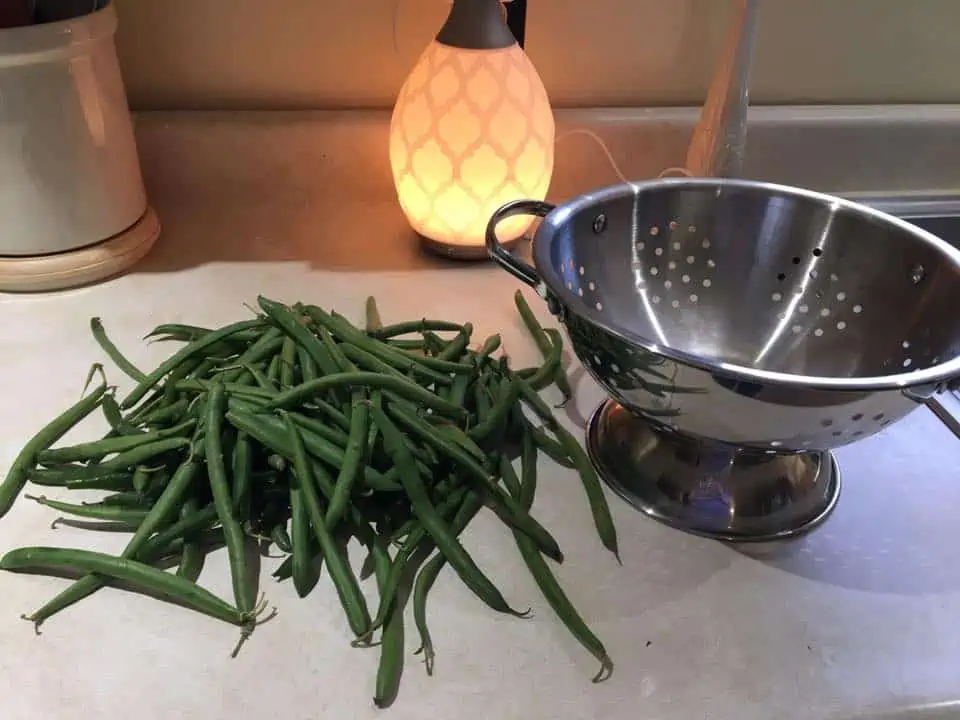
707	488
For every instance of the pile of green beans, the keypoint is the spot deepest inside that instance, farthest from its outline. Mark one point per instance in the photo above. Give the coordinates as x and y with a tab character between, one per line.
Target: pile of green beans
305	432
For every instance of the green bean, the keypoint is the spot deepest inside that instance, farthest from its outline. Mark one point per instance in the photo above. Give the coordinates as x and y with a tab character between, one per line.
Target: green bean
448	544
268	430
85	451
308	366
132	500
108	480
136	574
53	431
192	555
433	344
543	342
490	346
401	360
261	379
169	413
498	415
374	323
547	582
273	373
331	433
109	513
599	508
547	373
457	392
204	386
418	345
415	327
468	510
185	527
113	352
352	458
242	476
336	352
462	439
390	667
291	325
551	447
425	580
141	479
183	354
447	506
506	508
268	345
457	347
159	514
115	419
417	547
354	604
288	362
133	457
302	569
369	362
189	333
404	388
216	471
280	536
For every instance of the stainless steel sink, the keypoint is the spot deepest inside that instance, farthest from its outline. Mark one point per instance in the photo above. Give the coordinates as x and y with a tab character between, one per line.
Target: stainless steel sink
937	214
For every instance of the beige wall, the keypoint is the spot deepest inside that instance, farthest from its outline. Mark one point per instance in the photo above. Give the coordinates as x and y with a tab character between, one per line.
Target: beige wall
340	53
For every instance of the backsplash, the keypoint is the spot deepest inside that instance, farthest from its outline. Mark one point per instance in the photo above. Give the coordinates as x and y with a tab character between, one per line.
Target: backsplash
341	53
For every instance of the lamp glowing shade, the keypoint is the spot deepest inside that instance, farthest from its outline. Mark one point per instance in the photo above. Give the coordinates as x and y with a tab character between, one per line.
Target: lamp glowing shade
471	131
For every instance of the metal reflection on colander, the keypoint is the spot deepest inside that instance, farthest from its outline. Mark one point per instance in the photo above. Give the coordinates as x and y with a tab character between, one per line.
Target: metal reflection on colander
748	313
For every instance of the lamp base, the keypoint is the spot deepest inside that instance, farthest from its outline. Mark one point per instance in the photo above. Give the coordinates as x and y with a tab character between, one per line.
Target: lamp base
467	253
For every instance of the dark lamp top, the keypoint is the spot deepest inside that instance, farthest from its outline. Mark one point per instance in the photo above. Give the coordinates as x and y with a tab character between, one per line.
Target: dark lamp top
476	25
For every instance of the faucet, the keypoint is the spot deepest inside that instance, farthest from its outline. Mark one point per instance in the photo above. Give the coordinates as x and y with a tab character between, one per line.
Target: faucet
719	140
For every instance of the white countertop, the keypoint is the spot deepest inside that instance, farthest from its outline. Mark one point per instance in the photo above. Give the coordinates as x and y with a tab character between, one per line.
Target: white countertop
860	618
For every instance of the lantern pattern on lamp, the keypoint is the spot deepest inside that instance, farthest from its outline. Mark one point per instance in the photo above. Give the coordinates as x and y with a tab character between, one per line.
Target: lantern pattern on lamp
471	131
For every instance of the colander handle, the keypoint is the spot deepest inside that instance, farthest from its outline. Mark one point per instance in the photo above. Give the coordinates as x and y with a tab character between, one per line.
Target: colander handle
926	395
520	269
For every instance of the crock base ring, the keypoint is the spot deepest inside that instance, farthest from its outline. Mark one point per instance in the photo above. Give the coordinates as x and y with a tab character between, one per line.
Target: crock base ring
83	266
719	491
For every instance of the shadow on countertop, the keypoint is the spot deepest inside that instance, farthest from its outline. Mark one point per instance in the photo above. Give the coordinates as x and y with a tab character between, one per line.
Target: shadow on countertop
894	528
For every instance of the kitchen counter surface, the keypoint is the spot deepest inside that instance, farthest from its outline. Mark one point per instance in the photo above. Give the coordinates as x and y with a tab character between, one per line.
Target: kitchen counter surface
860	619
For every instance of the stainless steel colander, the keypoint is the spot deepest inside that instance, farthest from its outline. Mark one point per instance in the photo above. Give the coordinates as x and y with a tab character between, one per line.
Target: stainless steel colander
752	314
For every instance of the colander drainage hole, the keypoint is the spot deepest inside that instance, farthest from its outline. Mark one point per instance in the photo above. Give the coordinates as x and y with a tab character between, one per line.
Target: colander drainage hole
796	260
781	277
908	362
817	252
837	433
826	423
858	417
878	417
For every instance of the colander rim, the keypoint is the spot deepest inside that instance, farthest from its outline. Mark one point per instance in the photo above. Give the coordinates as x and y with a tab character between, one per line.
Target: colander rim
553	284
